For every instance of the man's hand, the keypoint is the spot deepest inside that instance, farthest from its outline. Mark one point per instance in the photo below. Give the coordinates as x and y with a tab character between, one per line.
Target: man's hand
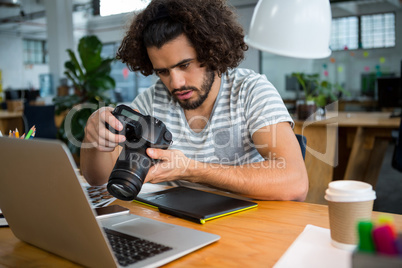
98	135
173	165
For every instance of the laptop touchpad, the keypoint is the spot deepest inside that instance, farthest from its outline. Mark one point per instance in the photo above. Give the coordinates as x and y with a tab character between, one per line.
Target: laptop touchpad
141	227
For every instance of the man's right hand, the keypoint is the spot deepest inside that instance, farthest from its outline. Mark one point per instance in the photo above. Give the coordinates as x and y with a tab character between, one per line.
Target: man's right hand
98	135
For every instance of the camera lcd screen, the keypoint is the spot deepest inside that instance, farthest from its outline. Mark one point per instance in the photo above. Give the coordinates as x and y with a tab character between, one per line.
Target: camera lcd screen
130	115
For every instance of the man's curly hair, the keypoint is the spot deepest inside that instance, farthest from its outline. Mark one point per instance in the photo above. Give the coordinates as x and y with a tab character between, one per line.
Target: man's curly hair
210	26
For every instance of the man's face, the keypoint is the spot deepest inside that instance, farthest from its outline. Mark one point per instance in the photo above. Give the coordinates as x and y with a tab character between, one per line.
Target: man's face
177	66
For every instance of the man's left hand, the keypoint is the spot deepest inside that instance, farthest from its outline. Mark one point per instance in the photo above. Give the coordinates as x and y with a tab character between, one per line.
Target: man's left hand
173	165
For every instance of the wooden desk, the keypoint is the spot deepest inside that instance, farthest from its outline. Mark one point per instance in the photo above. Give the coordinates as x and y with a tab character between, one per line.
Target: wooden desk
10	121
366	105
345	105
254	238
349	146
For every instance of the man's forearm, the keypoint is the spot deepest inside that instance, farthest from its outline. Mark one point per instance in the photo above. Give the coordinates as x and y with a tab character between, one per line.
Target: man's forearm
96	166
268	180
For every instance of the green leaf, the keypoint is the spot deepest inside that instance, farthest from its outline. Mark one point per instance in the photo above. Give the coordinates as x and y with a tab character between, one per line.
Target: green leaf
103	83
75	63
75	82
92	78
90	49
320	101
71	68
321	91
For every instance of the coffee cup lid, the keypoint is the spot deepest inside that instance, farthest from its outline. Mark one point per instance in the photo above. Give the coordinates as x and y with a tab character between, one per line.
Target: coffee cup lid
349	191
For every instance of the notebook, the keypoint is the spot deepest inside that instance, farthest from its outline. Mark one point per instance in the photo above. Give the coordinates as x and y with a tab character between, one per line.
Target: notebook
46	206
194	205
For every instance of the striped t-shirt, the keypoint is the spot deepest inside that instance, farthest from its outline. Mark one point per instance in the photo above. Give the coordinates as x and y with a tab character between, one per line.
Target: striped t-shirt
246	102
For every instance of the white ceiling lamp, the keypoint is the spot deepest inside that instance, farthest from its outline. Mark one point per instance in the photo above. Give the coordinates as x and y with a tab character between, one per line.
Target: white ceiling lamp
112	7
10	3
293	28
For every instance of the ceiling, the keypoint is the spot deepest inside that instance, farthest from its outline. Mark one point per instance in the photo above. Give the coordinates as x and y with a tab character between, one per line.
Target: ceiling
28	18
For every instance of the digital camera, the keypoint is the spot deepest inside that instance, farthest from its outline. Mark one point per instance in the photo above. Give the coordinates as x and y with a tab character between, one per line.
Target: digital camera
132	166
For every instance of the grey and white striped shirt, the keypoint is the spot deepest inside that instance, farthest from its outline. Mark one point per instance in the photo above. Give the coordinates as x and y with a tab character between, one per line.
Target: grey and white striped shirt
246	102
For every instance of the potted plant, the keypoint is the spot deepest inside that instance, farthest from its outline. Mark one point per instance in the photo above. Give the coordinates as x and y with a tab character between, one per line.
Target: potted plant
91	79
317	94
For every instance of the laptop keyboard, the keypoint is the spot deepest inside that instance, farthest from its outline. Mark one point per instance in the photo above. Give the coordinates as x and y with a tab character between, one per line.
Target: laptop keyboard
129	249
99	196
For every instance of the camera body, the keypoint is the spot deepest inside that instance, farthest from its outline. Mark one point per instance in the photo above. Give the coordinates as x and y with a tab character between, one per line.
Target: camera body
131	168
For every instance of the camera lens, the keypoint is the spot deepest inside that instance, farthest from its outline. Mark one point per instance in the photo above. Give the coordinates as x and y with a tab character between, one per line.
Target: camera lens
124	185
128	175
121	189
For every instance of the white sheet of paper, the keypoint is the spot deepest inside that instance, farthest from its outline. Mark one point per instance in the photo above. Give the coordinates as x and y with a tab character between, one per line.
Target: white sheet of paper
313	248
150	188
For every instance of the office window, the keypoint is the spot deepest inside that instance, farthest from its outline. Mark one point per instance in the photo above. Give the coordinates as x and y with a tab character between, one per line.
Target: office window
35	51
378	31
344	33
366	31
128	84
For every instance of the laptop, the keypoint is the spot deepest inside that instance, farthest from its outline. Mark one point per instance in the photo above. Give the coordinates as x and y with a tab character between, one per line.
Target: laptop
45	205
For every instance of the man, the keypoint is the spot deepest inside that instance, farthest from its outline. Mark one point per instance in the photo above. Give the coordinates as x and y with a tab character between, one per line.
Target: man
230	127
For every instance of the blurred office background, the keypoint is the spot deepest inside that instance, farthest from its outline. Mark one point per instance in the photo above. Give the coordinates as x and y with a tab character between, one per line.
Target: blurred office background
366	43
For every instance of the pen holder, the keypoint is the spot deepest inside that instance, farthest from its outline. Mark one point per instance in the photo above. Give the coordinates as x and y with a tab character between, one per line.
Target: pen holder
369	260
379	246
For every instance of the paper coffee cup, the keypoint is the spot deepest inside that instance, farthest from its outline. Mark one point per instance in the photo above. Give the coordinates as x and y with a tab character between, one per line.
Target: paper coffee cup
348	203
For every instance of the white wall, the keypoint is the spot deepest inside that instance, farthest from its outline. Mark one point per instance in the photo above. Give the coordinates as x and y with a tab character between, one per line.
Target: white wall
252	56
15	74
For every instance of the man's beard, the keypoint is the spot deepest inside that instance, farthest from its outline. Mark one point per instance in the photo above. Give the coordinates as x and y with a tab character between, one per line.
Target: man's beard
206	86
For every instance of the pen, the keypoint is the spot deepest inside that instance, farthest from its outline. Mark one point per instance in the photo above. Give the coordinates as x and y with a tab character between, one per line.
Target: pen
29	133
33	133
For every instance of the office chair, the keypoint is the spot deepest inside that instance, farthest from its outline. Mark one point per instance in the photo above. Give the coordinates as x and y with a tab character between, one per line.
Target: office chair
42	116
397	156
118	96
303	144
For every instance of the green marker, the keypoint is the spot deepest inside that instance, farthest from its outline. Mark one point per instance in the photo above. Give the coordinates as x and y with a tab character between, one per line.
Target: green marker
366	242
29	133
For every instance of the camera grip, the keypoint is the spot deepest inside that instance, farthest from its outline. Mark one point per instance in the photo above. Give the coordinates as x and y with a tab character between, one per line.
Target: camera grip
111	129
133	164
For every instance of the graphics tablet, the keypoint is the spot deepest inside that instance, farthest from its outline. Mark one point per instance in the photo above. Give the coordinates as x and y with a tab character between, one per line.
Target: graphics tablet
194	205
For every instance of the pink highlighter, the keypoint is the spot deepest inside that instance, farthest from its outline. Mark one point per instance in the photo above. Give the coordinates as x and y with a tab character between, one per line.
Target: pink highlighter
384	240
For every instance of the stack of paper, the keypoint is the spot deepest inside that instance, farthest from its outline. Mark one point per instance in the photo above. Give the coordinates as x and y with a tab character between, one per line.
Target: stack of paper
313	248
